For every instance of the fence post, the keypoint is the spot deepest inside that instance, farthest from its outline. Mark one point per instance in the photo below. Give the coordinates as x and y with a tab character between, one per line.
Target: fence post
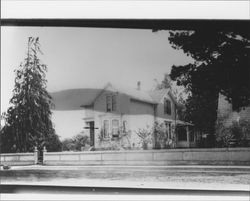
44	153
35	155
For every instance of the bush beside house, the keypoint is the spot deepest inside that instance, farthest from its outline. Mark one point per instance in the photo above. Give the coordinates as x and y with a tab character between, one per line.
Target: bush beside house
145	136
235	134
79	142
155	137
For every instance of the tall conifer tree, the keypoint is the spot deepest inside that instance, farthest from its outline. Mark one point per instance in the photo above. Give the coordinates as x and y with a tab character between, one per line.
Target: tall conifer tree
28	119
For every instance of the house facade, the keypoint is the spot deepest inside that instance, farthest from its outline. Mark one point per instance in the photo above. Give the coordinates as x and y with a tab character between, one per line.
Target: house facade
116	115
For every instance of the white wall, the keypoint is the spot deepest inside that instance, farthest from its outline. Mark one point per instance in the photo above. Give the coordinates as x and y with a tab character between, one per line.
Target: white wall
141	117
218	156
18	159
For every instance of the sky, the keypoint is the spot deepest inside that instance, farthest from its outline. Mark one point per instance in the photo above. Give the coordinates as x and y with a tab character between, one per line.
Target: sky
89	58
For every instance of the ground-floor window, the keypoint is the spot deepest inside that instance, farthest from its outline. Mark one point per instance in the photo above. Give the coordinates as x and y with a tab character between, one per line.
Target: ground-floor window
168	129
106	128
115	127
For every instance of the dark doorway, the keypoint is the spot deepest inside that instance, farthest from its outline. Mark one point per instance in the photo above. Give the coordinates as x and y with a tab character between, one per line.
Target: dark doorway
92	133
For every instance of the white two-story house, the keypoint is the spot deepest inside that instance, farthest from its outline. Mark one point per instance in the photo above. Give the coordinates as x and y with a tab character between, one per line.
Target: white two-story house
116	110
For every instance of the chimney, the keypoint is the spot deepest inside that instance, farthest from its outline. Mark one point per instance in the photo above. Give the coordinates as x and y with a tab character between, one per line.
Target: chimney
138	85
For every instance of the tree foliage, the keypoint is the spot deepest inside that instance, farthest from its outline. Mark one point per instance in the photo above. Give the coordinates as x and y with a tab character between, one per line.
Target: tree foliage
236	134
145	136
222	65
76	143
28	119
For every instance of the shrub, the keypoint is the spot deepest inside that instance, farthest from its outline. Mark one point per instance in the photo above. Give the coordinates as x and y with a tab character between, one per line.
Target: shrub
145	137
75	143
160	135
237	134
119	142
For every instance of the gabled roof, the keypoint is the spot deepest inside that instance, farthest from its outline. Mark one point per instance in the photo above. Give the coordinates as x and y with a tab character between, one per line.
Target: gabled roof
75	99
72	99
136	94
152	97
157	95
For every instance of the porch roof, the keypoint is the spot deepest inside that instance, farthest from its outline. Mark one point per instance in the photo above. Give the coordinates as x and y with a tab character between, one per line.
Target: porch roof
183	123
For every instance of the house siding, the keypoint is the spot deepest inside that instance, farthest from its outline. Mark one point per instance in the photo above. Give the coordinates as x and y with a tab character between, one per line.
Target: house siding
139	107
138	114
160	109
141	116
101	114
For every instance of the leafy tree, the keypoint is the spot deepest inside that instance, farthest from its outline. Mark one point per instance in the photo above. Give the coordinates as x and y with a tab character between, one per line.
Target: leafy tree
221	66
53	143
28	119
76	143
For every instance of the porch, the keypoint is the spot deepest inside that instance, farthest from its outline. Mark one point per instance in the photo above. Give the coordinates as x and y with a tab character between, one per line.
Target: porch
185	135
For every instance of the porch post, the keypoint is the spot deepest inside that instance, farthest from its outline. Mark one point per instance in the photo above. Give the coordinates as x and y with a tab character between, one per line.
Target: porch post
188	139
35	155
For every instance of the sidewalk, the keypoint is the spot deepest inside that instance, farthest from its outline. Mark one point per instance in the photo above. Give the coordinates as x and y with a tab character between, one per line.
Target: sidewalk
159	177
74	167
134	184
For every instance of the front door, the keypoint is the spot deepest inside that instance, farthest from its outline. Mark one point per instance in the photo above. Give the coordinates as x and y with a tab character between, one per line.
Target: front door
92	133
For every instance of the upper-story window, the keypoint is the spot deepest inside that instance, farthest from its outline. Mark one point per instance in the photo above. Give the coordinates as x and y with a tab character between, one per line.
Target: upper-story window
167	106
111	103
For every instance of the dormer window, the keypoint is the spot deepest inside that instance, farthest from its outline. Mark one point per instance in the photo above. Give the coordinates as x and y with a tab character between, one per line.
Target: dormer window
111	103
167	106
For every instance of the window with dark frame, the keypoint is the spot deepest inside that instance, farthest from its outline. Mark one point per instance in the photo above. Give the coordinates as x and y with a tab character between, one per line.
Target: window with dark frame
109	103
105	128
115	128
168	129
167	106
